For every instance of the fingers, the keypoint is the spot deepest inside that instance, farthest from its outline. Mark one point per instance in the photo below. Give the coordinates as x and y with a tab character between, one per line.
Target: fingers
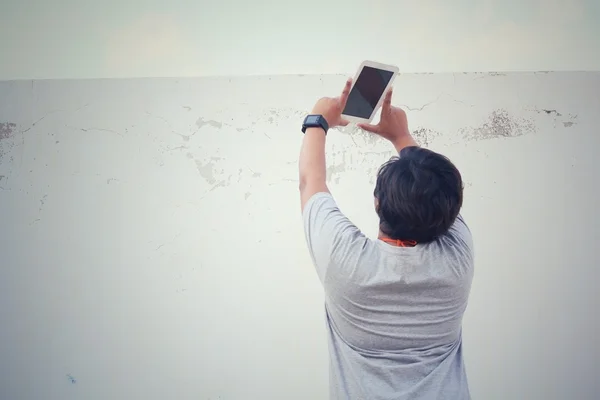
346	92
387	100
344	122
369	128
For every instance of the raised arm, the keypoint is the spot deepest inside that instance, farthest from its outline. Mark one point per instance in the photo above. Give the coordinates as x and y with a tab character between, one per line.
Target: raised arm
312	169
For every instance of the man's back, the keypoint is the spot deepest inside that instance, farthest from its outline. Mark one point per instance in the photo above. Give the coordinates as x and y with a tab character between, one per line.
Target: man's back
394	314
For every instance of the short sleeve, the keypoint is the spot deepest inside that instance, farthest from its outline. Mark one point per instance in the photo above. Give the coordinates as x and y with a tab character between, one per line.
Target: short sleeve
461	239
330	236
462	231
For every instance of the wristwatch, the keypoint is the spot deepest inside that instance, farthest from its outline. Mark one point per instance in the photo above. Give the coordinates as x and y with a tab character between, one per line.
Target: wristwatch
315	121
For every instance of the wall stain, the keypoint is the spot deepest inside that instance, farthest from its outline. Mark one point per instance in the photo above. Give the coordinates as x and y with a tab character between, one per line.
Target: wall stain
552	112
356	133
363	161
572	121
333	172
202	122
99	130
42	202
185	138
567	122
424	106
500	124
254	174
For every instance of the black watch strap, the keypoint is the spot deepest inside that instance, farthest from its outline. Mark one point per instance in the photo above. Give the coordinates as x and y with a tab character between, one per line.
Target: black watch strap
315	121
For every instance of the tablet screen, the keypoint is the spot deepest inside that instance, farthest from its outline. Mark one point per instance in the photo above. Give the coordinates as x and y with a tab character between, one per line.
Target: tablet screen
367	91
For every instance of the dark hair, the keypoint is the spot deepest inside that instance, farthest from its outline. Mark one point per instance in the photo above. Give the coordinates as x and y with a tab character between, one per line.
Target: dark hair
419	195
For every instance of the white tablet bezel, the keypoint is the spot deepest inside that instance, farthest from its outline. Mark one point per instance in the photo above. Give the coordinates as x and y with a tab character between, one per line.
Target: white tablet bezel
372	64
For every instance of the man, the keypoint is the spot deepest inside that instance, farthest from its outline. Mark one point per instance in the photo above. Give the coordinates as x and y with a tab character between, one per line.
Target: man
394	305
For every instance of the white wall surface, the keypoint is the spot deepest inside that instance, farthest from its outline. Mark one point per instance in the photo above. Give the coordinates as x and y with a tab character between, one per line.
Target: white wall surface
151	241
147	38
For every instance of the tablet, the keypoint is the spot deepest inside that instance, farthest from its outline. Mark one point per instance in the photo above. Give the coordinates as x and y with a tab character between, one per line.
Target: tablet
371	82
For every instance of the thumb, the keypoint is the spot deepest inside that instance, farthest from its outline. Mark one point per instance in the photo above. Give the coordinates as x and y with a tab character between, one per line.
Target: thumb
369	128
344	122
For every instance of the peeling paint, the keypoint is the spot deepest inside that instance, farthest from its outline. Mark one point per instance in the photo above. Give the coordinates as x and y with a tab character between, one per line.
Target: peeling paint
100	130
7	129
333	172
552	112
42	202
201	123
424	136
209	175
206	171
356	133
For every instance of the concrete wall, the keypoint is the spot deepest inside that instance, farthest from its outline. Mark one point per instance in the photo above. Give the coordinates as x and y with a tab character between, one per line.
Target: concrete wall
151	242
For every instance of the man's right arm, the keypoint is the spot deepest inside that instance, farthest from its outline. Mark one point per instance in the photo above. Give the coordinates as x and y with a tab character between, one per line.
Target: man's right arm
392	126
405	141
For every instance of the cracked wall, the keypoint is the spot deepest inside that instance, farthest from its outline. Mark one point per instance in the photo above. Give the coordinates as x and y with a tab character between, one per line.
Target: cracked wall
152	245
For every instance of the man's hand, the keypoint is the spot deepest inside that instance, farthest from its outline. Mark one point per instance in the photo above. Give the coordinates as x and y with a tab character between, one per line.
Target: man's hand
393	125
331	108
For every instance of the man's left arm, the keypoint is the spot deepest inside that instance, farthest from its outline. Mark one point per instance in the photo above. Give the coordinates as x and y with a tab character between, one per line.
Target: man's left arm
313	172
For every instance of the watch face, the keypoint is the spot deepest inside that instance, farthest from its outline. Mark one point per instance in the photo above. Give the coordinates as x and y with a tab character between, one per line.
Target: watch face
312	119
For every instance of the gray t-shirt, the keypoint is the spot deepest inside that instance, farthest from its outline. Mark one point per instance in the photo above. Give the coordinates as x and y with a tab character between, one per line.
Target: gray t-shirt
393	314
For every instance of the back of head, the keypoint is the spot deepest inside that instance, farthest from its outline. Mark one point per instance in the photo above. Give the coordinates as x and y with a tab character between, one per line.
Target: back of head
419	195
